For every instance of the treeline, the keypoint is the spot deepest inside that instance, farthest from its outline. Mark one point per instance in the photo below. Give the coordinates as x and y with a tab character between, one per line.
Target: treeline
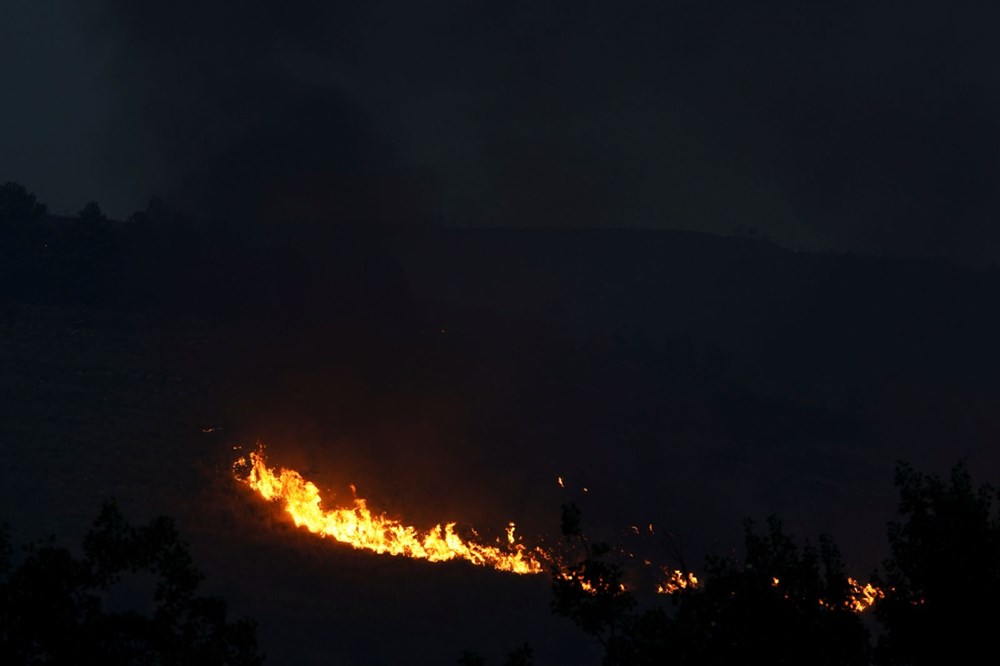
98	607
161	258
780	603
787	604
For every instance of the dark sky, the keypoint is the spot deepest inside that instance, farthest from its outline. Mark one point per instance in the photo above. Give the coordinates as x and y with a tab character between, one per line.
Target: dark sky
860	125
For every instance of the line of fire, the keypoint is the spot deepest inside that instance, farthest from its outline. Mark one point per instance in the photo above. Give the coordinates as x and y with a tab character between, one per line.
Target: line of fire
358	526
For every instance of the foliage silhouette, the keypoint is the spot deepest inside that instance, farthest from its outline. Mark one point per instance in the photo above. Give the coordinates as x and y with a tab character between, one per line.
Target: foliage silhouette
943	573
92	215
591	592
738	614
781	604
59	609
19	208
22	248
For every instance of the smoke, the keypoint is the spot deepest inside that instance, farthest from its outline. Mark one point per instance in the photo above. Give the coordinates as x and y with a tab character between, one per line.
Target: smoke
215	111
845	126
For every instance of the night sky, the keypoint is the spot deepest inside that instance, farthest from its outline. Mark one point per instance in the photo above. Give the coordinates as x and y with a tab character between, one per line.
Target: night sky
849	126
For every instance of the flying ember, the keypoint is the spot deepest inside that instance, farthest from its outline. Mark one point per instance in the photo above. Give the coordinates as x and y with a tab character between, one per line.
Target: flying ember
358	526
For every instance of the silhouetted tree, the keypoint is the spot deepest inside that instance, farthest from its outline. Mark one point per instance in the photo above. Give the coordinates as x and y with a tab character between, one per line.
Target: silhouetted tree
780	605
943	577
590	592
87	258
54	606
22	250
91	215
19	209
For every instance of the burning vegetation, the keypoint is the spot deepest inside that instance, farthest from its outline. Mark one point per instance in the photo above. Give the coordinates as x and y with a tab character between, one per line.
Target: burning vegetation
676	581
359	527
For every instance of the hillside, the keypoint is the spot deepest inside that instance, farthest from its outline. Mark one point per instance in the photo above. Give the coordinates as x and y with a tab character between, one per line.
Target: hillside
685	380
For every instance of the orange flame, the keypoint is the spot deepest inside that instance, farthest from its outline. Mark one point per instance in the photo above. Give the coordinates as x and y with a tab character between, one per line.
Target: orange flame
863	597
859	597
359	527
587	586
676	581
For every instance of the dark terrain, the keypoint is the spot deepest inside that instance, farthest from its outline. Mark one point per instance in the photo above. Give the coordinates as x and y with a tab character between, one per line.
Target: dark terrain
686	380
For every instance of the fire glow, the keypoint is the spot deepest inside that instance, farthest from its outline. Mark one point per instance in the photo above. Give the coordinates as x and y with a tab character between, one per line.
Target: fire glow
676	581
358	527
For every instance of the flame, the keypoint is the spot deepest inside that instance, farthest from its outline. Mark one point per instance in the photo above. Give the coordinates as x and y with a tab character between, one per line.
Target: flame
579	578
584	584
676	581
859	597
862	597
357	526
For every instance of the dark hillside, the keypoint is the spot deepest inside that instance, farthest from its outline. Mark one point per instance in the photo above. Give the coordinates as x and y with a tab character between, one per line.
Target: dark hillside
684	379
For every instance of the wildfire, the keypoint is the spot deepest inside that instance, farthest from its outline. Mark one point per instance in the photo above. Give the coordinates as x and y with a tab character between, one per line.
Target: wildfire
676	581
859	599
357	526
863	597
587	586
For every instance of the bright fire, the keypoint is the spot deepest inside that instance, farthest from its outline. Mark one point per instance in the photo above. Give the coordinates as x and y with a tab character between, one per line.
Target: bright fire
676	581
863	597
357	526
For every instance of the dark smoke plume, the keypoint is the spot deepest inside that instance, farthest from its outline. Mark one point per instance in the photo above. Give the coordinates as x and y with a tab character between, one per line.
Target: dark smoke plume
853	125
216	113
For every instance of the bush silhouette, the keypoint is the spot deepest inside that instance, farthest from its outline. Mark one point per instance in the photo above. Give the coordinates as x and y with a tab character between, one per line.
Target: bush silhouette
19	208
92	215
59	609
590	592
943	574
781	605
